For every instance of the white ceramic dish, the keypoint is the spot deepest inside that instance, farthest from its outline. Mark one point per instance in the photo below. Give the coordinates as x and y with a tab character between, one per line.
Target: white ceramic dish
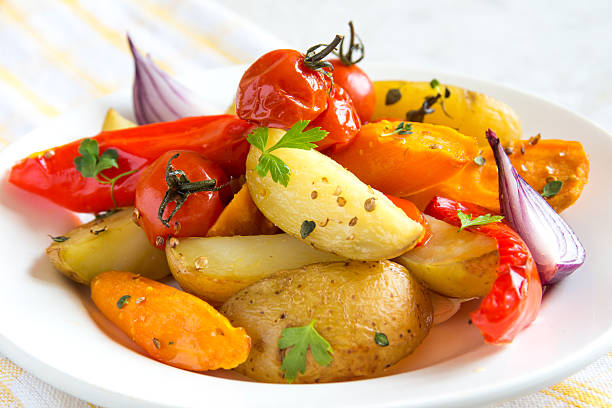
49	326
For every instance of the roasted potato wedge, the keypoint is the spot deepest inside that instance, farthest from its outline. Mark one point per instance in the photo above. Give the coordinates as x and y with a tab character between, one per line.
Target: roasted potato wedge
215	268
456	264
111	243
469	112
114	121
351	219
351	302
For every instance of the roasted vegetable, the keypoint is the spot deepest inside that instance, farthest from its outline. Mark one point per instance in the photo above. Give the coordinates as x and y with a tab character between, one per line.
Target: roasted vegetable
540	163
454	263
217	267
114	121
53	175
241	217
328	207
471	113
402	158
114	242
372	314
173	327
515	297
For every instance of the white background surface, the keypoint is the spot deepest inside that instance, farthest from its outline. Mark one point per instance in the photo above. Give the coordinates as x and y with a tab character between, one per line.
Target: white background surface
561	50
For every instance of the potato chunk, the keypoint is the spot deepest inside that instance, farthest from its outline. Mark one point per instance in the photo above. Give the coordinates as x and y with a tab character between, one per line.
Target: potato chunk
355	305
214	268
111	243
350	218
456	264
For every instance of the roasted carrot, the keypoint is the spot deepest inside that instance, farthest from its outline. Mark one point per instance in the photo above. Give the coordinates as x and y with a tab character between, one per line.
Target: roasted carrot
242	217
538	163
173	327
403	162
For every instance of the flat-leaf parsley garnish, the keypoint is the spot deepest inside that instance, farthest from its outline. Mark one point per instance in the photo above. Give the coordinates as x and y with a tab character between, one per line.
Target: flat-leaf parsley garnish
295	138
300	339
467	221
91	164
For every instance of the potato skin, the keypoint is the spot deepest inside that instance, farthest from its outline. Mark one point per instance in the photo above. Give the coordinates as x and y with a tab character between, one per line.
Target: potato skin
350	301
214	268
469	112
352	219
456	264
114	242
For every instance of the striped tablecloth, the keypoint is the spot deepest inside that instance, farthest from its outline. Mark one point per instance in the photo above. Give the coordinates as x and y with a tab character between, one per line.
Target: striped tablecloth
57	54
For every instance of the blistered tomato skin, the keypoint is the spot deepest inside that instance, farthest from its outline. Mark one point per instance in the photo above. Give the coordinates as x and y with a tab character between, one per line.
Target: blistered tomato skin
358	85
279	89
198	213
340	119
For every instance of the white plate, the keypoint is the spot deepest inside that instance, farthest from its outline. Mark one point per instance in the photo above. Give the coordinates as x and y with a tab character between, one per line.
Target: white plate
49	326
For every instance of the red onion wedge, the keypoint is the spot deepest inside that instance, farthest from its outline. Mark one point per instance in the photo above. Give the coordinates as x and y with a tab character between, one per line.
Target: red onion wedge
157	97
555	247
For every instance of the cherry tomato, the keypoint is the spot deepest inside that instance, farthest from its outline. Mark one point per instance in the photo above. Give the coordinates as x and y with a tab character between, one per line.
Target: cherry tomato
340	119
286	86
199	210
412	211
358	85
279	89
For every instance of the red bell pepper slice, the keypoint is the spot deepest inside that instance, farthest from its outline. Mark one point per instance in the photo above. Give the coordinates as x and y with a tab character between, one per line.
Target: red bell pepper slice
413	212
52	173
514	300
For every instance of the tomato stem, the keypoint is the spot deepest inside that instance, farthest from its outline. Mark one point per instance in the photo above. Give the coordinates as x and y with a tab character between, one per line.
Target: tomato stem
347	59
180	188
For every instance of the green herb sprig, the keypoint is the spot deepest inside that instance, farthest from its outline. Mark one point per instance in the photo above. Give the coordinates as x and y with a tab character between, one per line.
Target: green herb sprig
403	128
295	138
91	164
300	339
467	221
552	188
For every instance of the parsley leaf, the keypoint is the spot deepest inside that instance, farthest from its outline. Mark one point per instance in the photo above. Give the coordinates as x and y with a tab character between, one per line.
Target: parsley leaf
552	188
91	163
300	339
467	221
259	138
295	138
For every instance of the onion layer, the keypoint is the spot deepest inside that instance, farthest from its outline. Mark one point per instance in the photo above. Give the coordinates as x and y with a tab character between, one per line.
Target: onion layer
555	247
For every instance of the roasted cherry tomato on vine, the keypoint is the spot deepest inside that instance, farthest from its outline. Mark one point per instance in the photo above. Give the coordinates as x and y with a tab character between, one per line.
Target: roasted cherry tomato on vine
514	300
412	211
181	194
285	86
340	119
348	75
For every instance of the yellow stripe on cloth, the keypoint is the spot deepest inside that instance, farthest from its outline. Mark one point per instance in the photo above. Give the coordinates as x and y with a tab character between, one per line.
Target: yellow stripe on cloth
166	17
26	93
561	398
59	57
116	38
113	37
588	387
8	373
580	395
